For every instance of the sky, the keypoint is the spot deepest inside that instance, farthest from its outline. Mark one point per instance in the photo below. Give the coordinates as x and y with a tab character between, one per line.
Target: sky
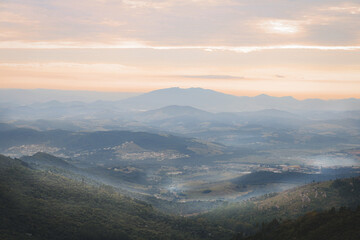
305	49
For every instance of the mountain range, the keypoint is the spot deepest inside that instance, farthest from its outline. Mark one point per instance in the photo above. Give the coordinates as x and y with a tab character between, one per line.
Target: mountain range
203	99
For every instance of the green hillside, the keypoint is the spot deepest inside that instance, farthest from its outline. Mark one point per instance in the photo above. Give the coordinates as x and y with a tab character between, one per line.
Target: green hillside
330	225
42	205
41	159
249	215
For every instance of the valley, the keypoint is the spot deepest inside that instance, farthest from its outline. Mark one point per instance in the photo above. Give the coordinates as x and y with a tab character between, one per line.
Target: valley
177	169
179	120
228	169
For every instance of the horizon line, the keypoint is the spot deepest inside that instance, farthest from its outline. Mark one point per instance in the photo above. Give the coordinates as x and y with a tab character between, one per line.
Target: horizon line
182	88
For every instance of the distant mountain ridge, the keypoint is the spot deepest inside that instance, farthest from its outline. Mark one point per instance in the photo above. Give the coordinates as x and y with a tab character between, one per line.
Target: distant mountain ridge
213	101
59	142
204	99
29	96
183	111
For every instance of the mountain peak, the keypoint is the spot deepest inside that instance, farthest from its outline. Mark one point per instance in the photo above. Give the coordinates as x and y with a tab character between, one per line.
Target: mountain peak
183	90
213	101
263	96
171	109
204	99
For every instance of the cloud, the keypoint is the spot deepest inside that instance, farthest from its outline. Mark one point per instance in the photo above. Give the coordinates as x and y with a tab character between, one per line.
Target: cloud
202	41
70	66
279	26
225	77
344	8
335	81
176	22
161	4
8	34
139	45
10	17
111	23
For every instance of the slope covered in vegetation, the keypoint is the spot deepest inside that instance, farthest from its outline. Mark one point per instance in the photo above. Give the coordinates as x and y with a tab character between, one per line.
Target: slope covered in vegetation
43	205
248	216
343	224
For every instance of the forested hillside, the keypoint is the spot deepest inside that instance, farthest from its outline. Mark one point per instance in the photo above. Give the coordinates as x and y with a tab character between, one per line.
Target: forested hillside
43	205
248	216
343	224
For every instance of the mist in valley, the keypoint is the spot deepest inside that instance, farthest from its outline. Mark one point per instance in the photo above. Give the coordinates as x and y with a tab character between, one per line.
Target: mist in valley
186	154
196	120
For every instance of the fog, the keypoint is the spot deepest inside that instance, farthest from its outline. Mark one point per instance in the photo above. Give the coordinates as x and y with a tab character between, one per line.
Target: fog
181	146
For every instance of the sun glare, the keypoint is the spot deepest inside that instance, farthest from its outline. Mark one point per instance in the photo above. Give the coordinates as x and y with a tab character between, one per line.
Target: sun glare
280	26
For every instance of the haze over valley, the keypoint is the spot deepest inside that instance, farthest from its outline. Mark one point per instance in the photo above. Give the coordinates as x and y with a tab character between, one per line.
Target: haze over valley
174	145
179	120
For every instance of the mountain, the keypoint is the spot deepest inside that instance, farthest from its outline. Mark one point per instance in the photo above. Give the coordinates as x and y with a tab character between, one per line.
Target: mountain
30	96
271	118
174	111
56	110
46	205
290	204
213	101
326	225
204	99
5	126
46	160
75	105
42	205
121	112
99	145
178	119
261	121
185	119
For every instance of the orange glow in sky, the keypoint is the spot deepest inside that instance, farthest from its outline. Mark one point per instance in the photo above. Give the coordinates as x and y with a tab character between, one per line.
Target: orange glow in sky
304	49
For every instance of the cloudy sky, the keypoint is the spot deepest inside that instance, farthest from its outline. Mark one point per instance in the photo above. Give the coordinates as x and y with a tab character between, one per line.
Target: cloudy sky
278	47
